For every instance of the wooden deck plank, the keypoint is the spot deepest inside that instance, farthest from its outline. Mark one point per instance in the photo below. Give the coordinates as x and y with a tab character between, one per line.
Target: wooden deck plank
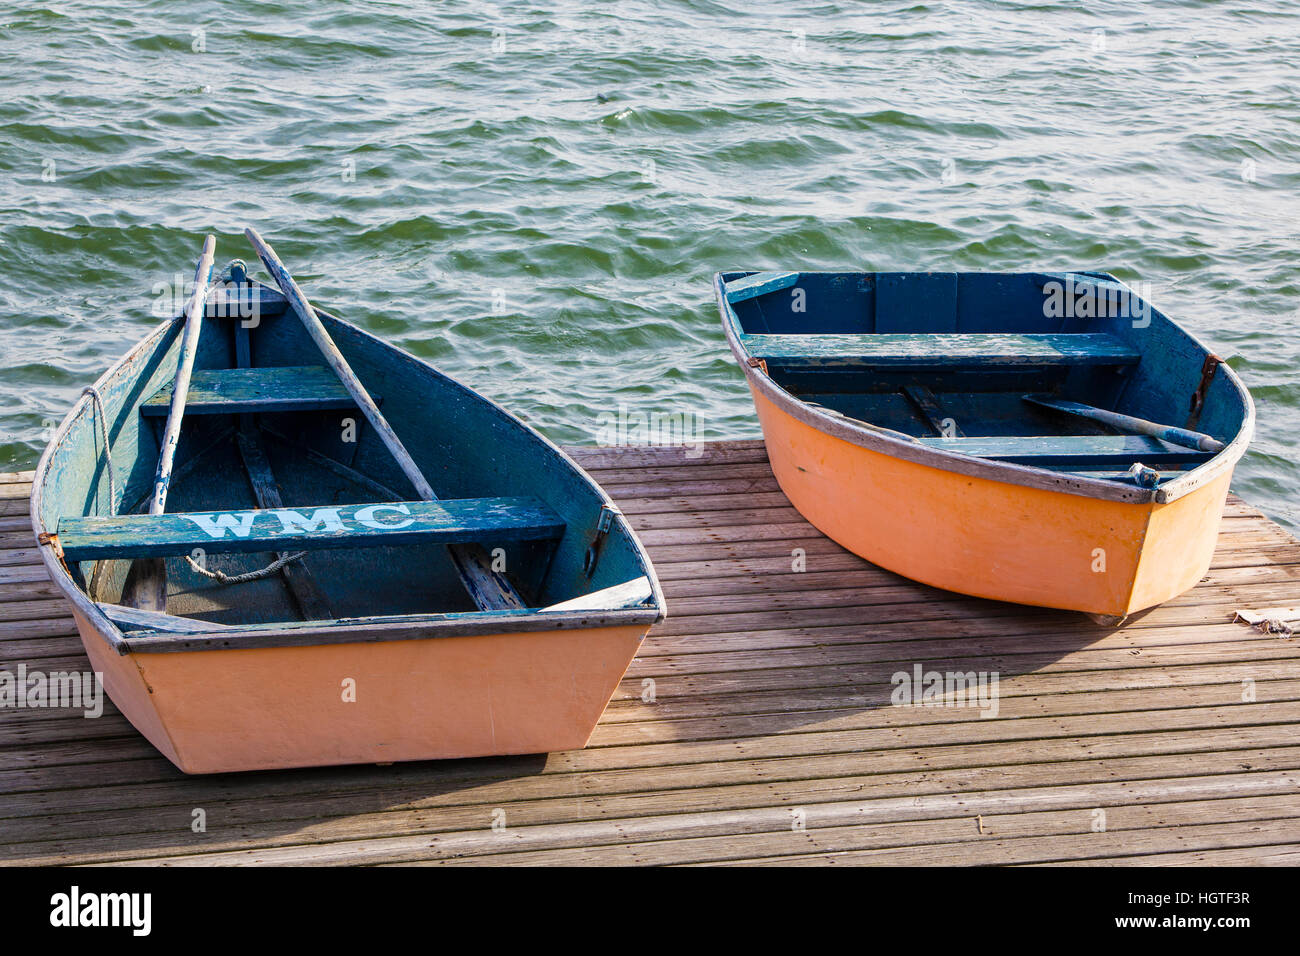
1283	855
459	830
775	836
1064	848
772	691
954	837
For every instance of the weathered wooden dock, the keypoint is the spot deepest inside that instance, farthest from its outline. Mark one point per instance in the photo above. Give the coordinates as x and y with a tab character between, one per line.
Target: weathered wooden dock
756	725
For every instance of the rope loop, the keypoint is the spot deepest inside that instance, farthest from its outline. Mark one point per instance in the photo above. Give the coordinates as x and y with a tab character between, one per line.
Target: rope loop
265	572
97	401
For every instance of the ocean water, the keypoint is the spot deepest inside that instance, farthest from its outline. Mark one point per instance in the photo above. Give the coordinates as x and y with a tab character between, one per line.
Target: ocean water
533	196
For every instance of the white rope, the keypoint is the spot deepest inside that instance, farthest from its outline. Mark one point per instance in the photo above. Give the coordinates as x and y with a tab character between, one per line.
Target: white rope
219	576
98	404
265	572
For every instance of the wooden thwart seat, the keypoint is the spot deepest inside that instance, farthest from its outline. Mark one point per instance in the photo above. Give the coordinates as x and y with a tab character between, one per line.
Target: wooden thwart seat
310	528
1094	452
240	390
939	350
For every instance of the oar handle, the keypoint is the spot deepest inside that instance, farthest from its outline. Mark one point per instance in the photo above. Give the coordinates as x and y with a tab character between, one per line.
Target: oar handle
181	384
1170	433
338	363
490	589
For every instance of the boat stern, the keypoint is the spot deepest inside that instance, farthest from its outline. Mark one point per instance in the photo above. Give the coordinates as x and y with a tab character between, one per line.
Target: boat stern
322	704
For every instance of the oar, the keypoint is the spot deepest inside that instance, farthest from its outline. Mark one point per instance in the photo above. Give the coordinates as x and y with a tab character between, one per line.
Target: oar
146	581
1170	433
490	590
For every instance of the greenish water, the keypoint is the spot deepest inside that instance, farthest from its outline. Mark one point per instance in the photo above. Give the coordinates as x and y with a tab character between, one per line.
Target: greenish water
533	196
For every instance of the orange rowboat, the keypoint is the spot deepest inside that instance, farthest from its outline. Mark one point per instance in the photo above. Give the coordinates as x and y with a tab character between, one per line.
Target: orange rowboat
1047	439
338	584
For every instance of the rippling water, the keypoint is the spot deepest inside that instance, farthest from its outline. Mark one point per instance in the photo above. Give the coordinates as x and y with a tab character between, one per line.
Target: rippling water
533	196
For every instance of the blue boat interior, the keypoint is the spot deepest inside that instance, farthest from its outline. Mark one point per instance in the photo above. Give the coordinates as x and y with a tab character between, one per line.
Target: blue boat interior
955	361
265	417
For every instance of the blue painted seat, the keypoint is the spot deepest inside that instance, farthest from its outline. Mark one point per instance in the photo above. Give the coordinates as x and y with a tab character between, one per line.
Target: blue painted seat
240	390
1093	452
309	528
939	350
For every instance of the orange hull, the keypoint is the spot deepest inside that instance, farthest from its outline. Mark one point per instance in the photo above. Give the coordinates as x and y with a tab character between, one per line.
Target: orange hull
993	539
277	707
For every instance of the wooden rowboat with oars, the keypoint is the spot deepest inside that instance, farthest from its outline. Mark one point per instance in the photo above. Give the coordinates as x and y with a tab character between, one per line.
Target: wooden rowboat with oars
1048	439
287	543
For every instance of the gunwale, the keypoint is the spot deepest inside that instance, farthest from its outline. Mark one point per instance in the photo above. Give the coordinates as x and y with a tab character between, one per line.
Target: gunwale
377	627
899	445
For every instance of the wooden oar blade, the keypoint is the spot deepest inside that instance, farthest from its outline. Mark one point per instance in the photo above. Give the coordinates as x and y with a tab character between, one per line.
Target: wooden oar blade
146	580
491	590
146	585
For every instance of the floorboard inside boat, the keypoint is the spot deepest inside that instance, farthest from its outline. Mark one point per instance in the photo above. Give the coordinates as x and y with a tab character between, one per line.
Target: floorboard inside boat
765	695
